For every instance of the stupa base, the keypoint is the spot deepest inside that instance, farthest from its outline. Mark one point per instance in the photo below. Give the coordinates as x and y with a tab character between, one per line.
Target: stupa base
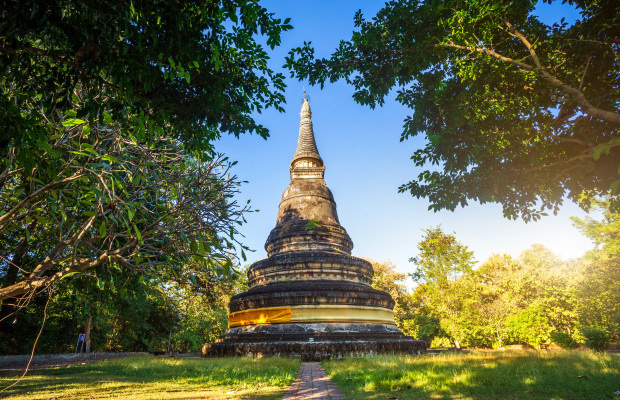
315	351
314	341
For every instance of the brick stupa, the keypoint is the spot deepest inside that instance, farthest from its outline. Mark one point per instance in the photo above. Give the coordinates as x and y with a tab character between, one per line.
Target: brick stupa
310	298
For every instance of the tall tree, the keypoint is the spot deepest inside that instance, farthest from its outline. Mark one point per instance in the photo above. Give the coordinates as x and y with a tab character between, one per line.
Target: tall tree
514	111
443	263
599	289
108	110
441	258
99	198
193	68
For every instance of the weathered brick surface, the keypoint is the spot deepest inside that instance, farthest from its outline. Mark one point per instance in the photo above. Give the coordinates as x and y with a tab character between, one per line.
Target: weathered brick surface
310	292
315	351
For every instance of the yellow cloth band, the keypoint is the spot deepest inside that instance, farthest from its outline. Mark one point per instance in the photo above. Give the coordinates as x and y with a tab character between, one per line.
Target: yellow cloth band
311	313
276	315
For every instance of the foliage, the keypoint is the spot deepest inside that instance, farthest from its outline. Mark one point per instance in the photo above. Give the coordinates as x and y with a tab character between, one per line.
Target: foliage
422	327
596	338
531	326
599	289
441	258
441	261
129	311
107	173
203	311
101	196
478	375
514	111
139	378
563	340
188	69
386	278
504	301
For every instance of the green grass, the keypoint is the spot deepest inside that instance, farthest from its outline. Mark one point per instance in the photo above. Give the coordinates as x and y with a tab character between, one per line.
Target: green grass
159	378
480	375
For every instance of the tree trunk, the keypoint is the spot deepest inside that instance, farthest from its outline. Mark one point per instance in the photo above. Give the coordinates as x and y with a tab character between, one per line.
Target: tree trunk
87	335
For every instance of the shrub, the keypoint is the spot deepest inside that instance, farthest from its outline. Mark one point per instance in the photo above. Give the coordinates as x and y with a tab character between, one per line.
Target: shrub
596	338
564	340
530	326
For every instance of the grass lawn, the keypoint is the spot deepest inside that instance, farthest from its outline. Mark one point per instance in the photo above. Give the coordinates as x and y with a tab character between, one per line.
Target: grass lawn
159	378
480	375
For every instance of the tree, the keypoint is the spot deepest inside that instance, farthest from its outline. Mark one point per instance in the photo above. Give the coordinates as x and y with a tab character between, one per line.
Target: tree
130	311
191	69
599	289
499	279
514	111
531	326
441	258
108	111
386	278
442	263
99	196
203	308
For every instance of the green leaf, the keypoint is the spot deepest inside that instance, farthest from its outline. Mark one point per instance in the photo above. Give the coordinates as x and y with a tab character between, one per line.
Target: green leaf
79	153
102	229
138	235
72	122
69	274
110	158
47	147
100	284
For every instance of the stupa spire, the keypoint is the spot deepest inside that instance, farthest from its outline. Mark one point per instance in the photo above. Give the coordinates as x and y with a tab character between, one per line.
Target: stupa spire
306	163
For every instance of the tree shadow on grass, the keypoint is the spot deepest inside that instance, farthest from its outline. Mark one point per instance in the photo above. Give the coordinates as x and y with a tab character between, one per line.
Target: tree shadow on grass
145	377
480	375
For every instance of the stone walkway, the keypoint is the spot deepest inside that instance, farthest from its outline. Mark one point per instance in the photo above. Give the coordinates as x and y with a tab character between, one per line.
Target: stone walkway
312	383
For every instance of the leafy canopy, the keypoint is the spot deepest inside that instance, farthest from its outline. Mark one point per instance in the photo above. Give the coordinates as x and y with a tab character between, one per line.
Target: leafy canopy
194	68
101	197
441	258
107	113
514	111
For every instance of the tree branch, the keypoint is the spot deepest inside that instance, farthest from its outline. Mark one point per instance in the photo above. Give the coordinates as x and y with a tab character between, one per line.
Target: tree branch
8	217
577	95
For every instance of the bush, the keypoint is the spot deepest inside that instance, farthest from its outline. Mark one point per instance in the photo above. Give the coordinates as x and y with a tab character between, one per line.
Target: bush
530	326
596	338
564	340
422	327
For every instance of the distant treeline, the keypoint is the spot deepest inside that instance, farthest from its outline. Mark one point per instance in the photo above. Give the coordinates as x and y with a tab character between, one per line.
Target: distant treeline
535	299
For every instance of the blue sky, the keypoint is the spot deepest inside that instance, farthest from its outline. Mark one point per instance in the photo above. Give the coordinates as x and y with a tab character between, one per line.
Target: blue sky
366	162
